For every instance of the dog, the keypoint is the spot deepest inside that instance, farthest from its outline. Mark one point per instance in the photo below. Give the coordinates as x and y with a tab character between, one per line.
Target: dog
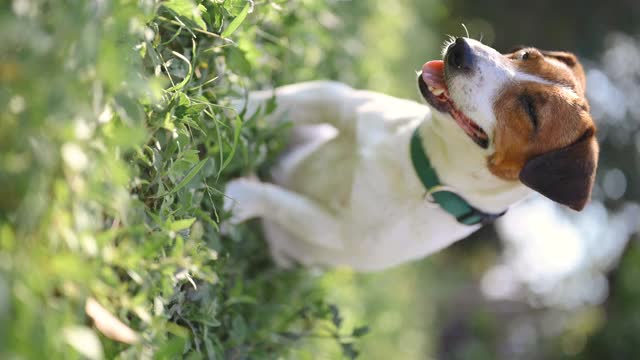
371	181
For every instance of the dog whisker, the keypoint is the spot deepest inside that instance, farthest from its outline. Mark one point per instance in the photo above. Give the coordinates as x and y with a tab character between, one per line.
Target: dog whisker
465	30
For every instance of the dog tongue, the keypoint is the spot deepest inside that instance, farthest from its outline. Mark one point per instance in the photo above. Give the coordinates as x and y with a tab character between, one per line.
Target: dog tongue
433	74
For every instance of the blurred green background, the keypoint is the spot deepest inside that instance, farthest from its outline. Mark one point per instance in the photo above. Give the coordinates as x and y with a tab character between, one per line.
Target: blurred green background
116	142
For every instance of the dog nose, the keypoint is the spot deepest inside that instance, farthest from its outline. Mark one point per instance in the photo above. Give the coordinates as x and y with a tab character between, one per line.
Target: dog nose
459	55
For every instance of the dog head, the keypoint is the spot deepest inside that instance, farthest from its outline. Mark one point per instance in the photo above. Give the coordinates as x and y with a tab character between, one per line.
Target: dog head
528	110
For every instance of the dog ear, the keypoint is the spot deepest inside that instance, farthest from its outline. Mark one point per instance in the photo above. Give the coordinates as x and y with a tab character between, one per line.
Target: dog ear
565	175
571	61
566	57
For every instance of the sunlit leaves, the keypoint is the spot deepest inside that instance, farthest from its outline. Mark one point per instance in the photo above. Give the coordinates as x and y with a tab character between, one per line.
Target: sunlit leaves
120	138
248	7
188	10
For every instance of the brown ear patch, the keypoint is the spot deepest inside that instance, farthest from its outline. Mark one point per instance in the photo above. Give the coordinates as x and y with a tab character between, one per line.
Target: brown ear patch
560	67
565	57
572	62
565	175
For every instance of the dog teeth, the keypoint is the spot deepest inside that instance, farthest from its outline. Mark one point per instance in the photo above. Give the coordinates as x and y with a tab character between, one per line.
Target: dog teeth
434	91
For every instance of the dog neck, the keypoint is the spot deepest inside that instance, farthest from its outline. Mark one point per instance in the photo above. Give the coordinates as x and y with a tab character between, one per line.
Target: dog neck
462	165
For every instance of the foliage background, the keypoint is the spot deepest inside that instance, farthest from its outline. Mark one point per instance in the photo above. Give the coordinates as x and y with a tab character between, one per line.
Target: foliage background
116	142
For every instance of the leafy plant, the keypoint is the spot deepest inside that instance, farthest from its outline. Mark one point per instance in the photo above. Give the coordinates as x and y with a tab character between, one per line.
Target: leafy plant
116	144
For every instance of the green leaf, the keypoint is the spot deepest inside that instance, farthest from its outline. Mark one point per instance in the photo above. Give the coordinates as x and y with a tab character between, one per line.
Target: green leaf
186	78
192	173
233	26
238	330
241	299
271	105
234	7
236	136
336	319
171	349
188	10
360	331
349	350
181	224
237	61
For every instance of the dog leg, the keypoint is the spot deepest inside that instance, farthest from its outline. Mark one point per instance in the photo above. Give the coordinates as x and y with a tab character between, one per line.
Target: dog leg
298	215
314	102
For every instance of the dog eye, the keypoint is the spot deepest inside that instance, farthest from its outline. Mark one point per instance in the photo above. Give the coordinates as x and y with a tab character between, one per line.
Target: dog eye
525	55
529	107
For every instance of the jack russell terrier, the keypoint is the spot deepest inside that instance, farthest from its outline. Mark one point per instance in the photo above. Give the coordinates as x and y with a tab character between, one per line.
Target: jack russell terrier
387	180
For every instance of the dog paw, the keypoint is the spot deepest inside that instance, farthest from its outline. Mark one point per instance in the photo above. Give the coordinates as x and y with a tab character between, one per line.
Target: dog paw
242	200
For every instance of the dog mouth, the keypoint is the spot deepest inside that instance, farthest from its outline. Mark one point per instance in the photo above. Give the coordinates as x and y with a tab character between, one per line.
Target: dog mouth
433	87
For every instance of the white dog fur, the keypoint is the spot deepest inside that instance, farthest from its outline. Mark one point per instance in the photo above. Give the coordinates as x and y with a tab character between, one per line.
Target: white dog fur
347	193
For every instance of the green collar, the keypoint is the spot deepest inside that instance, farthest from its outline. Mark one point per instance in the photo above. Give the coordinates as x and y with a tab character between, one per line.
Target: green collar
451	202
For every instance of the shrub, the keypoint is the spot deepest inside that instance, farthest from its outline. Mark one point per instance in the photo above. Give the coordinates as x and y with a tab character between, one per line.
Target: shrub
116	143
